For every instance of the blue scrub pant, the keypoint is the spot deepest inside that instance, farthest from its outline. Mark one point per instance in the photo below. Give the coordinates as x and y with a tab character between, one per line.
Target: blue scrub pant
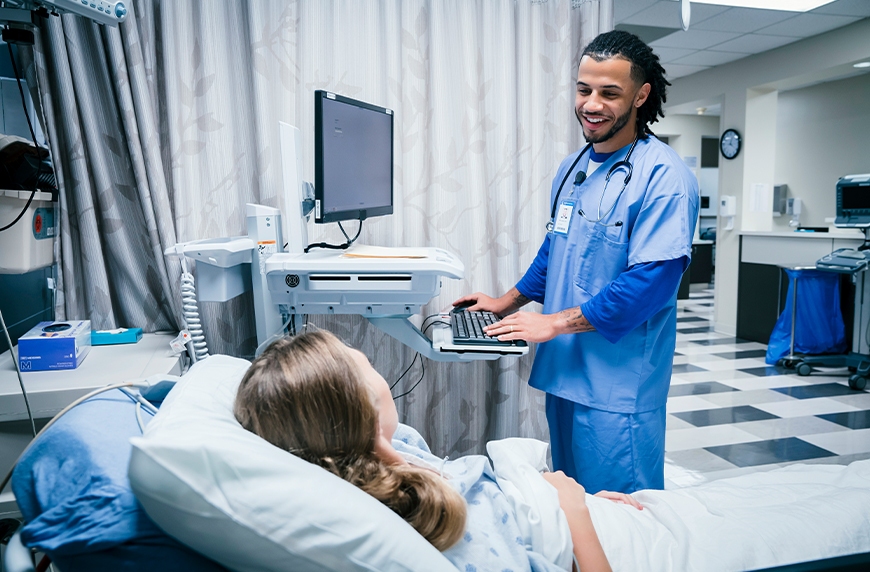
622	452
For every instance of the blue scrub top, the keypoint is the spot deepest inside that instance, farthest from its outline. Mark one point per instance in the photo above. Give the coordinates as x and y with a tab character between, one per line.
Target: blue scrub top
658	210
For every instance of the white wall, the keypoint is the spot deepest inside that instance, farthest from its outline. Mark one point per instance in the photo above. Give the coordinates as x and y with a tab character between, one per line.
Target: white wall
823	133
748	87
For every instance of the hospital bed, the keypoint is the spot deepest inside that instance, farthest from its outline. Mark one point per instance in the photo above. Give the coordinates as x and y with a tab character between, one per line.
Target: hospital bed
203	494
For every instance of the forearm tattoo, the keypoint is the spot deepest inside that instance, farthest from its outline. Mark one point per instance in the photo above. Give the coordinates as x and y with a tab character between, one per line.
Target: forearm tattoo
520	300
575	321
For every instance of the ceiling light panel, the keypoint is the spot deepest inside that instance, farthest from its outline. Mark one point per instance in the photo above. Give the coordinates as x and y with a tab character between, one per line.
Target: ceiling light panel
787	5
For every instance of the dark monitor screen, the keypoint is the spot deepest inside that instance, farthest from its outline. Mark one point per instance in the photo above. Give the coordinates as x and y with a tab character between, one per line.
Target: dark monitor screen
855	198
353	159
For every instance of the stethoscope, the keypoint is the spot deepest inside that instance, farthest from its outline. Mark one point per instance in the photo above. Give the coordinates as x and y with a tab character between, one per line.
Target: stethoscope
581	176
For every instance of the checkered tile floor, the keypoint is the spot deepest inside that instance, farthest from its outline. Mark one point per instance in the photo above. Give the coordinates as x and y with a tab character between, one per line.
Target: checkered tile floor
729	413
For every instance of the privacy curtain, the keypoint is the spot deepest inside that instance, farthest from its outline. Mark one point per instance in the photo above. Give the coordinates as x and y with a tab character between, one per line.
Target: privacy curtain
162	130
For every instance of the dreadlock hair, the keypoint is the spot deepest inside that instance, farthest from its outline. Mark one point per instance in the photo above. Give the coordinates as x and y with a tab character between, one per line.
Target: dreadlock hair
645	68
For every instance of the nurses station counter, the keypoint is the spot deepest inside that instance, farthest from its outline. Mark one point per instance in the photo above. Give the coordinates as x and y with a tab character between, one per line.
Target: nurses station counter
762	284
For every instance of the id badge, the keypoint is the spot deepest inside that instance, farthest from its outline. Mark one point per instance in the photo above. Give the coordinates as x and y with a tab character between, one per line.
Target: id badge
563	218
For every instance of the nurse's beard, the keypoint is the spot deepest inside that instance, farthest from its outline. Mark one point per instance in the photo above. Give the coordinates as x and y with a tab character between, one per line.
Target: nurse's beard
620	122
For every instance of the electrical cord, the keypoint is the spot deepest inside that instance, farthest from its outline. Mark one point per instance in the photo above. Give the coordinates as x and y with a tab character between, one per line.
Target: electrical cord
422	373
20	380
416	355
33	135
61	414
344	246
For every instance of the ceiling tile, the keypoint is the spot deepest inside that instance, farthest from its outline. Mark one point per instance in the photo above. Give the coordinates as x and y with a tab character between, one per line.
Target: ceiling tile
673	71
805	25
622	9
840	7
754	43
743	20
697	39
709	58
666	13
670	54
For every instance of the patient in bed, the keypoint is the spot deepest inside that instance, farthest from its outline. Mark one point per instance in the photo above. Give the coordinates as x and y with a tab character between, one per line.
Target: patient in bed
315	397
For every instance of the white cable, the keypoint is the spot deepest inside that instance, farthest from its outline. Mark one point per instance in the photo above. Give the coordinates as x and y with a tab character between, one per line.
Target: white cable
18	371
58	416
272	338
191	316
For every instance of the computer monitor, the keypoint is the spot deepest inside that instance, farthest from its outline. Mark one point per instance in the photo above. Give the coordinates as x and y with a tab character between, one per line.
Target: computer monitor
853	201
353	159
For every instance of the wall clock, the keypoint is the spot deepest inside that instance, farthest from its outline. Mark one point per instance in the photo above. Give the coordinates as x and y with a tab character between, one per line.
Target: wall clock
730	143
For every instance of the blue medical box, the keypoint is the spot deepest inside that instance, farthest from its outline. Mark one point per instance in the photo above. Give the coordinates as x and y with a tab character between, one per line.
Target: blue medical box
119	336
54	345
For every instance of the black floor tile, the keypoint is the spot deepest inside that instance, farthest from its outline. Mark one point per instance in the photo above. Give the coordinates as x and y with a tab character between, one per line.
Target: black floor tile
699	388
850	419
692	319
743	354
705	329
720	341
767	452
724	415
819	390
764	371
686	368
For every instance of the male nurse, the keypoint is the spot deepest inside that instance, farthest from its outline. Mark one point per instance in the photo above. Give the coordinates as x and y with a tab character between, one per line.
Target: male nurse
624	211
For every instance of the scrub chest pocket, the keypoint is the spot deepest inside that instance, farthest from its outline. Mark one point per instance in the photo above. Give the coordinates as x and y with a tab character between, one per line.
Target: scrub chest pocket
599	259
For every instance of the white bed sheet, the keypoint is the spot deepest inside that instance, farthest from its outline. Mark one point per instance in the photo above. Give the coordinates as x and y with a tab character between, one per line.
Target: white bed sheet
794	514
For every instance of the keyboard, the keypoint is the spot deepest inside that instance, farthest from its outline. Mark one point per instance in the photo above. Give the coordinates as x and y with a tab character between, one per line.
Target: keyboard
468	328
844	260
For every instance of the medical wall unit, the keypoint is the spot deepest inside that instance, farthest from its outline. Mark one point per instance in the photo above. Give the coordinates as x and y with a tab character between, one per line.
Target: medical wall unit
289	277
29	244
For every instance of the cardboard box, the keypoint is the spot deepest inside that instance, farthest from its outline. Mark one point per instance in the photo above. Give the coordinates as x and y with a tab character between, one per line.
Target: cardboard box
54	345
118	336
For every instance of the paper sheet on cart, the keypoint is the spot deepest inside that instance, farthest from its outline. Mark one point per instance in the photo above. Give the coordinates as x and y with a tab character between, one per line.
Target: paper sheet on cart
364	251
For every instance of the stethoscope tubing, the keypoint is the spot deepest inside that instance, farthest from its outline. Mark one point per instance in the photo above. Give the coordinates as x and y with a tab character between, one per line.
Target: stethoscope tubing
623	163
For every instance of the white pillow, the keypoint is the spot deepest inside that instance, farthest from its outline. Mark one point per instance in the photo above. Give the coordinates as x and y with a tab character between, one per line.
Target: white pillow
248	505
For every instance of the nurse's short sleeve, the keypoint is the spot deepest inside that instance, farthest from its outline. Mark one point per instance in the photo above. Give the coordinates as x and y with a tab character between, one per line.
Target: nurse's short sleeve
665	224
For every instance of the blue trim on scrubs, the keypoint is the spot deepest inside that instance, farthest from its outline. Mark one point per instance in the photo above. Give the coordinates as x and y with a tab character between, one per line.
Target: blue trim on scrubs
599	157
634	297
533	284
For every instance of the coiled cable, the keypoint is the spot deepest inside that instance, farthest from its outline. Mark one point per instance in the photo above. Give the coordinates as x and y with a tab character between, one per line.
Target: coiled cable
191	316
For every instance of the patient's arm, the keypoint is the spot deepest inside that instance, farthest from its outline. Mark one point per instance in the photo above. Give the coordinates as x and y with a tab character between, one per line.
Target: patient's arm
572	498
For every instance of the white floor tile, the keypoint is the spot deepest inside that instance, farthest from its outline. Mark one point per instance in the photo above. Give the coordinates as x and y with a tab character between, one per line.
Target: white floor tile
752	382
675	423
688	403
702	360
790	427
859	400
721	376
735	398
712	436
804	407
842	443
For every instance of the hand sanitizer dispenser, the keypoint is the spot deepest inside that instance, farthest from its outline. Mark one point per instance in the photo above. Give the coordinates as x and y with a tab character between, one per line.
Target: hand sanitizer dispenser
728	209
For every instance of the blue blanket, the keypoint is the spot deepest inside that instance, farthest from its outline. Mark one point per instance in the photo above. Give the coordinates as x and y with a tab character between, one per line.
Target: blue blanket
72	489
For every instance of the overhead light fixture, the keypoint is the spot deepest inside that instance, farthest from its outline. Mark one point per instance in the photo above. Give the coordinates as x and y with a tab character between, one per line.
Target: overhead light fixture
701	110
785	5
861	65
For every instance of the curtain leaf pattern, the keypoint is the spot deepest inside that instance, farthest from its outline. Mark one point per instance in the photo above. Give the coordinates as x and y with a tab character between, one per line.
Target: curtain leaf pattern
162	130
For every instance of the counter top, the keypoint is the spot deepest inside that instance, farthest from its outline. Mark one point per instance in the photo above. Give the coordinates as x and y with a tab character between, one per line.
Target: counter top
839	234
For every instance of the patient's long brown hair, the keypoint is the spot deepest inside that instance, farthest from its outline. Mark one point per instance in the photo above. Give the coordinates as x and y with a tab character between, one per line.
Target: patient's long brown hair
305	395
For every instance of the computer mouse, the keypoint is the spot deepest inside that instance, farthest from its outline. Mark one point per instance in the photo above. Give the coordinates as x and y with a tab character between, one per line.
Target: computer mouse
464	306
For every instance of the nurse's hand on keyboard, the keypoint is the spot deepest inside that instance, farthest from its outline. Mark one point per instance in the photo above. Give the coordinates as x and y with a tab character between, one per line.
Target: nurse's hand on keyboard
528	326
